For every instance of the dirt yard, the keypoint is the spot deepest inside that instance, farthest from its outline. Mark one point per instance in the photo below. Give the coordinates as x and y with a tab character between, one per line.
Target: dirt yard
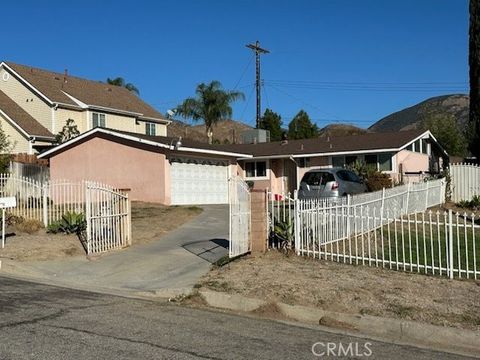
149	223
275	277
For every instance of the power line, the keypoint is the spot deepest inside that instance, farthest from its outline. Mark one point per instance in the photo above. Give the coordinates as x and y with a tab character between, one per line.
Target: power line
304	102
243	73
372	82
248	102
374	88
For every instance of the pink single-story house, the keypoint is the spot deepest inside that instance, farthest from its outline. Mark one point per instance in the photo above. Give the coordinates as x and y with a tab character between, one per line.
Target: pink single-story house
172	171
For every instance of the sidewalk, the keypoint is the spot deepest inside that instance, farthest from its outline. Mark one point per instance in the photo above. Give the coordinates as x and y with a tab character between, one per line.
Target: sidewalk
166	267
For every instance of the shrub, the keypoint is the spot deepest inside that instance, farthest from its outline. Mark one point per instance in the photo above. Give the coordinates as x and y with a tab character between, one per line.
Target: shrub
28	226
71	223
377	181
472	204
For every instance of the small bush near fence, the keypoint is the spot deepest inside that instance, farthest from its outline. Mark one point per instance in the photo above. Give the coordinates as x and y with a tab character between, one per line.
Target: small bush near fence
71	223
378	181
473	204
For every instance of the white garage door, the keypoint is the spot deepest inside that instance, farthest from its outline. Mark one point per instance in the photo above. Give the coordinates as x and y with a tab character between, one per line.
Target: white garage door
196	181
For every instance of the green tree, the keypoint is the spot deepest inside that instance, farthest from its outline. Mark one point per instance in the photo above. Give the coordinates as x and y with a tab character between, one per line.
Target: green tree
5	149
211	104
69	131
474	62
272	122
446	130
119	81
301	127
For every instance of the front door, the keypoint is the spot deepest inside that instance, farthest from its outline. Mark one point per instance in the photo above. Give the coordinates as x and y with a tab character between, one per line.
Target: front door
290	176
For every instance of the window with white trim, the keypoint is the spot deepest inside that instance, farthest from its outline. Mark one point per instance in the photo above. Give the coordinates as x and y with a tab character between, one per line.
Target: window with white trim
150	129
256	169
98	120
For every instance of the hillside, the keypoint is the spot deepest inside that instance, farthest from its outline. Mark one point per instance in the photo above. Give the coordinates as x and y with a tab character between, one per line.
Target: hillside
341	130
410	118
228	130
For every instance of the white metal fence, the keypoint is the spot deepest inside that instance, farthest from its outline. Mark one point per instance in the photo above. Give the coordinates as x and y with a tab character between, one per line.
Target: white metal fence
106	210
330	220
240	217
108	218
429	242
465	181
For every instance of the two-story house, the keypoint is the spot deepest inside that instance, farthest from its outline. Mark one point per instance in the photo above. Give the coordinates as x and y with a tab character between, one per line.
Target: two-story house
35	104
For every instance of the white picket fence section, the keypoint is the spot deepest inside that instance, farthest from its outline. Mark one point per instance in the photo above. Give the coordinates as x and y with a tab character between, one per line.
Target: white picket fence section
334	219
465	182
444	244
240	222
107	210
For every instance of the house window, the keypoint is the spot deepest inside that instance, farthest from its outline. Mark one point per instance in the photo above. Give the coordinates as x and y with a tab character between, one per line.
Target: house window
350	160
255	169
424	146
98	120
150	129
304	162
338	161
371	161
385	162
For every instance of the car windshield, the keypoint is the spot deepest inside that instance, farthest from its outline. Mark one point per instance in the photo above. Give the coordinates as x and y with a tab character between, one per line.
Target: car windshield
347	175
317	178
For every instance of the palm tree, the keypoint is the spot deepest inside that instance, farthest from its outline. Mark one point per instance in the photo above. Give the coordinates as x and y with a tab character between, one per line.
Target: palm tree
211	104
119	81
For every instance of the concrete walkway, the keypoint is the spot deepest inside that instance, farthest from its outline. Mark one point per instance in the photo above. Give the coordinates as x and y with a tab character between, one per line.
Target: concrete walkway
167	266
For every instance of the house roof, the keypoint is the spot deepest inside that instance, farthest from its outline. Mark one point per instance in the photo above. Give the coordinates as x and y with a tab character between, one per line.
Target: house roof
24	120
330	145
164	142
371	142
57	87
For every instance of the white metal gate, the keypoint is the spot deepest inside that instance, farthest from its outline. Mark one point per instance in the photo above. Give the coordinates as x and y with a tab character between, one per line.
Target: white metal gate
108	218
240	217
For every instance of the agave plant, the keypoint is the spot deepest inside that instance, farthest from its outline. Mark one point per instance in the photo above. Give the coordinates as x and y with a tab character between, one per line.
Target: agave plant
71	223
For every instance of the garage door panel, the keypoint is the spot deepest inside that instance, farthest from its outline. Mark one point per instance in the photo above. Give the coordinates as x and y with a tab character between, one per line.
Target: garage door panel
198	182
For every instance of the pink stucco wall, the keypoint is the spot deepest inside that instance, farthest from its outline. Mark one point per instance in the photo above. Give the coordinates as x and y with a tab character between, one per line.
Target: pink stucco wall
117	164
412	161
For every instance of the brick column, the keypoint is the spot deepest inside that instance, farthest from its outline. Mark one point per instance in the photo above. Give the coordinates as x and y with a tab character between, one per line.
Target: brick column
259	221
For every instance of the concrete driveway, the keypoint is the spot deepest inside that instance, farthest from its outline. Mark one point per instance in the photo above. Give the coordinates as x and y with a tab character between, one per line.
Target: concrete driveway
168	266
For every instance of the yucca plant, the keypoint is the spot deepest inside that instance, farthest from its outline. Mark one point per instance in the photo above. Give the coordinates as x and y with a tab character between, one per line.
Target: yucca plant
71	223
283	231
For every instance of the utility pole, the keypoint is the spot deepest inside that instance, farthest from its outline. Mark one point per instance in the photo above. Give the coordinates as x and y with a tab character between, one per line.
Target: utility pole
258	51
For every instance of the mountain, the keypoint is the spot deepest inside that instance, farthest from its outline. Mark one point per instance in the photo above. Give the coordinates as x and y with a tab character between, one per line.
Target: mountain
411	117
224	131
341	130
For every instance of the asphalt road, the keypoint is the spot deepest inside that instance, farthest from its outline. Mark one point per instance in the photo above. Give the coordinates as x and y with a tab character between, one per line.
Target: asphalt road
46	322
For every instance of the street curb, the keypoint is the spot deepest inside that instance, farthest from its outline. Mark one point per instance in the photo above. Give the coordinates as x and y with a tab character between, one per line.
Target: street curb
460	341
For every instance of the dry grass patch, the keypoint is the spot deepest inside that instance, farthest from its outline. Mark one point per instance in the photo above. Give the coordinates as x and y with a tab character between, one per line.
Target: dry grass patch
151	221
41	246
296	280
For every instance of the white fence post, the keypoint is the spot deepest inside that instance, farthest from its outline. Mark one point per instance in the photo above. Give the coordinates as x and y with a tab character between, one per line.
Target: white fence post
45	204
450	244
296	222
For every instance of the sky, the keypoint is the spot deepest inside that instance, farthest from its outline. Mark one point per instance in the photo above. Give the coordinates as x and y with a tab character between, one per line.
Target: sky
348	61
